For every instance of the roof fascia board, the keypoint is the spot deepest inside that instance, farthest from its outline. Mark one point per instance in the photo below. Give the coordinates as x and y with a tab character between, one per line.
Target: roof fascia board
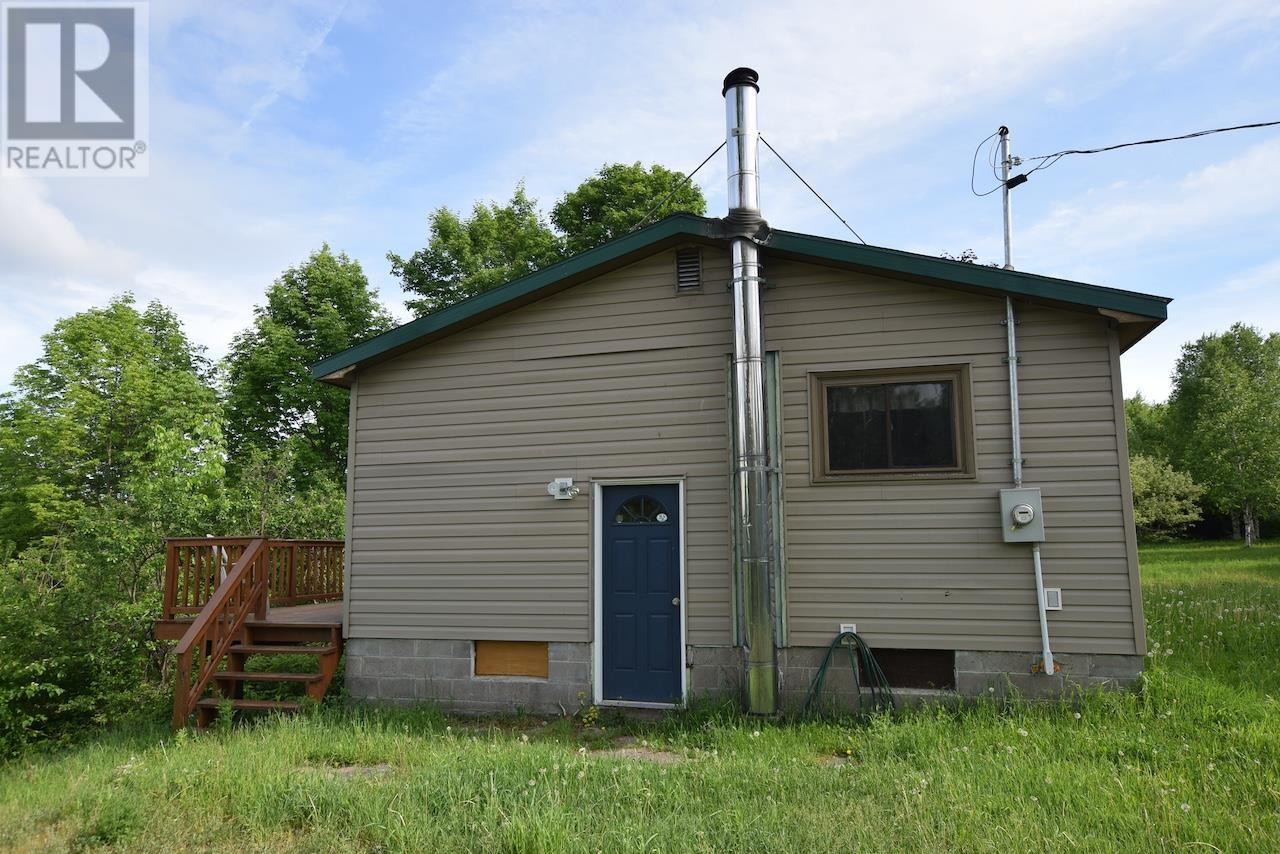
988	279
1138	312
558	276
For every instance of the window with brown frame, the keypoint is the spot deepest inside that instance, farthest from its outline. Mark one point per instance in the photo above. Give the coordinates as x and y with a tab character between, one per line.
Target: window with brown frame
913	422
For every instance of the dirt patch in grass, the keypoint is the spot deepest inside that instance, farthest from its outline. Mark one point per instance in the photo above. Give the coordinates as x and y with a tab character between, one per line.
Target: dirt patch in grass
644	754
628	747
353	772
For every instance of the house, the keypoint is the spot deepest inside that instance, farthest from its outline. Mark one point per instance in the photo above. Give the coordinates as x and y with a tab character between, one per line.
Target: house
683	462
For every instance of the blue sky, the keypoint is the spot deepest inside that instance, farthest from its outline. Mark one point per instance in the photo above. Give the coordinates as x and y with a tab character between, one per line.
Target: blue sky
278	126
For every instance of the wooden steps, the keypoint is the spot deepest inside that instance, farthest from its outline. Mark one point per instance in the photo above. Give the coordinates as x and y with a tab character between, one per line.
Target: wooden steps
275	636
227	599
213	703
265	676
281	649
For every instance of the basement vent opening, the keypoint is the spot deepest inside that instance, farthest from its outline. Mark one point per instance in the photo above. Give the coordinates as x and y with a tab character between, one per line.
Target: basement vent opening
688	270
917	668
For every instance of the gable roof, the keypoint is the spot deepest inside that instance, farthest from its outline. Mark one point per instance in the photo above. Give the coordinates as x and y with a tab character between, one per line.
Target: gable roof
1137	314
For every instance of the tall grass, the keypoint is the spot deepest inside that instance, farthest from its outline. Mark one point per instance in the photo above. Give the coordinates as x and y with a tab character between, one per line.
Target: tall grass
1193	760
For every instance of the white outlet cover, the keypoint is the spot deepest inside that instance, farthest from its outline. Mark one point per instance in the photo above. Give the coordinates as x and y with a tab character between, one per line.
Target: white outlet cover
849	627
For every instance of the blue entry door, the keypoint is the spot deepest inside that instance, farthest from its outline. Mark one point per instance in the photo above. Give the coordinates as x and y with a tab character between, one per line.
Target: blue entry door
640	593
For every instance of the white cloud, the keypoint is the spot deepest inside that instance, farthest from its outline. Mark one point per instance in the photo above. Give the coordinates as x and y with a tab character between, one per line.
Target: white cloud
1251	297
37	237
840	81
288	76
549	92
1124	216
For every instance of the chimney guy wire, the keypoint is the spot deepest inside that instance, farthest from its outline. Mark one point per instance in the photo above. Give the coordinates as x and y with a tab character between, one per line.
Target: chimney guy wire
685	180
811	190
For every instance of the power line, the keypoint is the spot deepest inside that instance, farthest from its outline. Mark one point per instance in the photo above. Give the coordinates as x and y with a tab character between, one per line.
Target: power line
973	167
675	189
1047	160
811	190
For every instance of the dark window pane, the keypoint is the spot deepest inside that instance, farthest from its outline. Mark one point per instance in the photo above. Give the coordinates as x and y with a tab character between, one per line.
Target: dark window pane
922	425
640	510
856	428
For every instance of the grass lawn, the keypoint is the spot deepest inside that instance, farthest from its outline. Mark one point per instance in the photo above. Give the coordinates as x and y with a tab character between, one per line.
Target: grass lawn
1192	761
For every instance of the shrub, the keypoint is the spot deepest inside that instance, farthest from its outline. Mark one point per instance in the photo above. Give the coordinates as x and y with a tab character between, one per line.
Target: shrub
1165	500
70	657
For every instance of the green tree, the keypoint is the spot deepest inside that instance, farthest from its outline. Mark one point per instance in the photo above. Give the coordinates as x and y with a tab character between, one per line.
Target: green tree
1148	427
83	416
1165	501
465	257
1225	413
266	499
313	310
499	243
111	441
613	201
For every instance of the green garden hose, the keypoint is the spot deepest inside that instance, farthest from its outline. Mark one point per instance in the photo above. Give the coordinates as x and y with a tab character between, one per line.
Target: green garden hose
877	683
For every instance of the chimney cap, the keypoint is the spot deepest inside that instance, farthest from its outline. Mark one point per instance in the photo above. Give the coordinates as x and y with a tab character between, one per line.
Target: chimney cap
741	77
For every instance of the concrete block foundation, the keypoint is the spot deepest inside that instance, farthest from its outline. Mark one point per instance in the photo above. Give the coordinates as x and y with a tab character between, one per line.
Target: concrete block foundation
404	672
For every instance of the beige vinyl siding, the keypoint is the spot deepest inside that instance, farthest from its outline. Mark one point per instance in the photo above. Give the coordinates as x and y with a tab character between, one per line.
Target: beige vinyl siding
921	564
453	534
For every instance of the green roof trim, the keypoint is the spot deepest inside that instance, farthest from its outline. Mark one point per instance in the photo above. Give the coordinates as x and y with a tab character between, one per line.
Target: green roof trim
677	228
677	225
1008	282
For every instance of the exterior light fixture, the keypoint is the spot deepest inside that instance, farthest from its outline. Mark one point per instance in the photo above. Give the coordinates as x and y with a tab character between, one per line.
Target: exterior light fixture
562	489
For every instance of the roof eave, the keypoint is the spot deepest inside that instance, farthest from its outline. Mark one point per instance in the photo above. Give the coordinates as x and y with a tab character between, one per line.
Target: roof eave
925	268
678	228
1136	314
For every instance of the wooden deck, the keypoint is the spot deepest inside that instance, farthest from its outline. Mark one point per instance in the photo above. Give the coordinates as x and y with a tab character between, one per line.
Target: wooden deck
304	580
325	614
322	613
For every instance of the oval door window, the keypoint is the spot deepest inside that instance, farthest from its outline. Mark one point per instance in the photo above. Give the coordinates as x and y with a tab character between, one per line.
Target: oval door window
640	510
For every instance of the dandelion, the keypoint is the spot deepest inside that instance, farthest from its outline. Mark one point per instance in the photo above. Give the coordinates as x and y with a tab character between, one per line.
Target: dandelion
448	729
755	734
582	751
1209	766
1023	732
533	782
524	737
1034	799
542	771
1076	716
1186	807
583	774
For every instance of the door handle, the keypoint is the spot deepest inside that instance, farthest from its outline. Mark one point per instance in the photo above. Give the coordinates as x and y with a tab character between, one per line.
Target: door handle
675	600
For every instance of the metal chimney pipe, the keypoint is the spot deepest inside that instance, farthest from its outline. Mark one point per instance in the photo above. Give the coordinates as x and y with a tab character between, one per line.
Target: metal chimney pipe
753	513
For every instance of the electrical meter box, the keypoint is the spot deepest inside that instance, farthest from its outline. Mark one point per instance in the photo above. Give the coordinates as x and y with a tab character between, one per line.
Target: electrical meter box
1022	515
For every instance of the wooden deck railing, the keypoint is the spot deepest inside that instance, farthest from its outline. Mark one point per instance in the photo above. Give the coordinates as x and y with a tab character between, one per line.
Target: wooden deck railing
297	571
200	652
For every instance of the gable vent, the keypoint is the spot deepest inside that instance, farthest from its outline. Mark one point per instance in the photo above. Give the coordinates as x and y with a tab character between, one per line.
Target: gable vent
688	270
